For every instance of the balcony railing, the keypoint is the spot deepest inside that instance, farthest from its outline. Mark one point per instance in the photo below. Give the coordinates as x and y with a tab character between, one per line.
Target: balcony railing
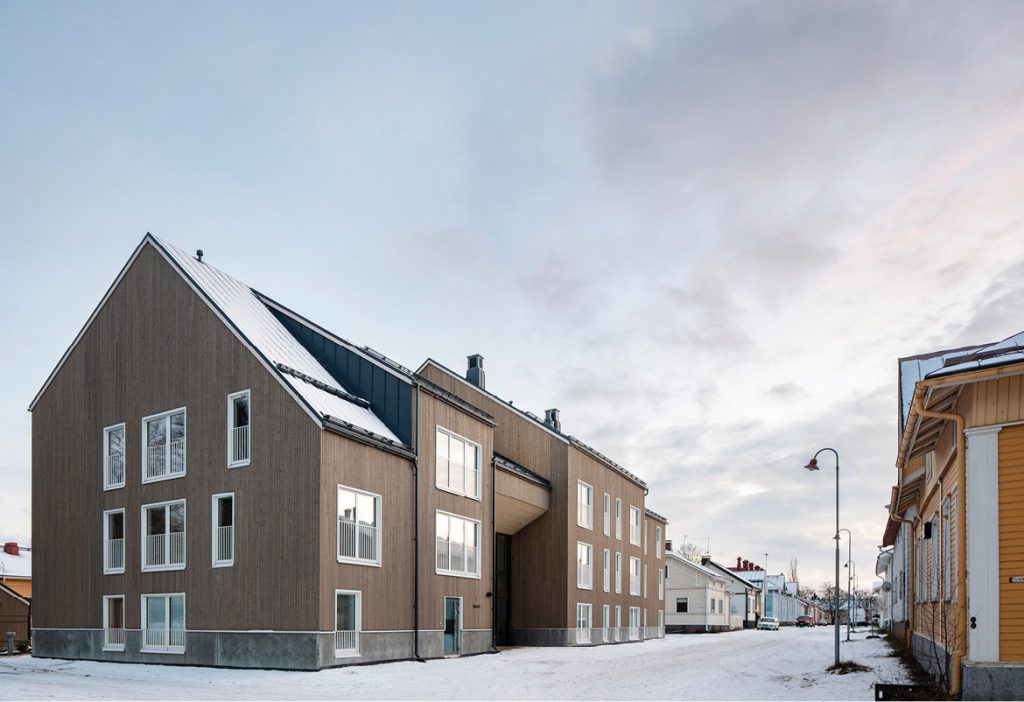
346	643
357	541
457	558
165	550
163	639
584	575
113	469
113	554
113	638
225	544
165	460
240	444
583	635
634	633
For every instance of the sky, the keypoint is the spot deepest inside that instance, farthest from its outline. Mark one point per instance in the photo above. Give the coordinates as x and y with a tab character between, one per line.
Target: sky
705	231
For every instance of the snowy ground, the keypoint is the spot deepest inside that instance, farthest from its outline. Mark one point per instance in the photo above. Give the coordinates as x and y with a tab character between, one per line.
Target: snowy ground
742	665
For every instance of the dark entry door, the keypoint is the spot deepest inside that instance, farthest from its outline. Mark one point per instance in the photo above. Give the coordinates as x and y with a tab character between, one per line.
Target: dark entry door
452	626
503	589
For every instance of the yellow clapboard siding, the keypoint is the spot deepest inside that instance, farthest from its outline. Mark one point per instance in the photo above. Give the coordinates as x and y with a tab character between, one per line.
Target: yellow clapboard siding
1011	519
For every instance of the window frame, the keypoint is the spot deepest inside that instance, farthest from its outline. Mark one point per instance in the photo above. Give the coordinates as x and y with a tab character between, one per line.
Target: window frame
606	568
658	548
618	622
588	549
438	429
107	570
661	584
618	518
607	505
634	576
479	547
606	622
175	650
106	454
584	634
232	462
618	573
107	646
634	525
378	504
214	525
685	602
184	539
184	445
357	651
584	517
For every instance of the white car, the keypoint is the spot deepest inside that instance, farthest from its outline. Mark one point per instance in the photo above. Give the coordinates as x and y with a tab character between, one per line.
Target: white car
769	623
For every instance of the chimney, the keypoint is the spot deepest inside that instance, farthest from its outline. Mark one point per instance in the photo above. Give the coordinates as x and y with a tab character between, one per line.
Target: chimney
739	563
551	419
475	372
746	564
11	548
199	255
668	545
704	560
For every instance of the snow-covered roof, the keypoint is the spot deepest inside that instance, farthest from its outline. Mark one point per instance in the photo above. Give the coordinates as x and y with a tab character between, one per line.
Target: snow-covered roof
19	566
917	368
696	566
730	574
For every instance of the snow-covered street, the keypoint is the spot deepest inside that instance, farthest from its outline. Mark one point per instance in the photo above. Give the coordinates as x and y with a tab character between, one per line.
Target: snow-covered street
742	665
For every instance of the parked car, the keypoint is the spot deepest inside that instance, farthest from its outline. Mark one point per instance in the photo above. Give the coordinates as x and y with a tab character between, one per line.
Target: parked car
804	620
769	623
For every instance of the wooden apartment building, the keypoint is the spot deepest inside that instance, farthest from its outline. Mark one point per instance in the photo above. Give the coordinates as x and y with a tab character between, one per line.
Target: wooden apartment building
219	481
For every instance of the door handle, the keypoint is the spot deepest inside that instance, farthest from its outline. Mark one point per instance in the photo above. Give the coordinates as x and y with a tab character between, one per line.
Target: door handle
974	622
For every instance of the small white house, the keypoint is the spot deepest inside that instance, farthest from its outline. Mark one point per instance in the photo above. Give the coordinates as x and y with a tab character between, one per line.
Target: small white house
696	598
745	605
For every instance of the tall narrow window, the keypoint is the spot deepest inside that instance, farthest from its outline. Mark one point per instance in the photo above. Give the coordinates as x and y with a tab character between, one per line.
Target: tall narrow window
645	536
606	562
584	505
239	449
223	537
359	539
661	622
347	622
661	584
634	526
163	543
163	446
618	622
457	464
113	623
606	622
583	623
607	514
113	457
634	623
634	576
584	565
618	519
618	573
457	550
657	542
645	581
163	623
113	541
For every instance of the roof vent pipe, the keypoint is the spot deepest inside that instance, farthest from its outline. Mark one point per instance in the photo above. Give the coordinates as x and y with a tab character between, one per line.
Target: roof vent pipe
199	255
551	419
475	371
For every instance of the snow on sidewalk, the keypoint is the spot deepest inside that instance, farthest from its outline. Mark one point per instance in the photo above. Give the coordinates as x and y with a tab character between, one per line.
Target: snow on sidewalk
743	665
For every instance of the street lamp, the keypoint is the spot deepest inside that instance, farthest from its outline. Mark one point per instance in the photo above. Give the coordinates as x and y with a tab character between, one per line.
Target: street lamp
849	595
813	465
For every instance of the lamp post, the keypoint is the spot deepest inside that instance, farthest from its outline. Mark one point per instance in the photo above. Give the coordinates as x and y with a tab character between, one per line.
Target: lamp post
849	592
813	465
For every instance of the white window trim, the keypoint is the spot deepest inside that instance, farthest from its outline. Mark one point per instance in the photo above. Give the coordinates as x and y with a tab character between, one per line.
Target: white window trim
583	634
658	548
231	402
618	573
175	650
184	540
606	622
634	534
349	653
106	537
184	447
618	622
214	512
618	518
606	566
106	622
585	519
644	527
590	565
479	470
479	548
661	584
634	576
106	448
607	506
378	508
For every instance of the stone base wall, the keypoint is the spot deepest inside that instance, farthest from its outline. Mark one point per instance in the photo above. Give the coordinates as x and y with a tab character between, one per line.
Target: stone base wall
993	681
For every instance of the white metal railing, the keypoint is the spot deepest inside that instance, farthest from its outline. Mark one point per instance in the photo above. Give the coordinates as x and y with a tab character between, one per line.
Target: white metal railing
605	634
113	554
618	633
443	562
634	633
346	642
165	549
357	540
165	459
113	466
583	635
634	533
240	444
113	637
586	514
225	544
584	574
163	639
457	558
634	584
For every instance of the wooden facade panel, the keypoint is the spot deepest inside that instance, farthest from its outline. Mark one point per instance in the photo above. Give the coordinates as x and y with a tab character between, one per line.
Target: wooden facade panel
157	346
1011	543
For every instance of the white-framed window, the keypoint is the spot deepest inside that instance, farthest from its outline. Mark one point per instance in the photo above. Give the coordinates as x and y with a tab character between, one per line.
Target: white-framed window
584	505
239	438
113	457
712	605
657	542
458	545
634	525
584	566
661	622
359	533
618	519
222	539
348	622
606	567
634	623
607	514
163	623
645	536
645	581
618	622
933	582
661	584
606	622
163	446
682	605
618	573
163	535
645	621
113	622
113	541
582	623
458	464
634	576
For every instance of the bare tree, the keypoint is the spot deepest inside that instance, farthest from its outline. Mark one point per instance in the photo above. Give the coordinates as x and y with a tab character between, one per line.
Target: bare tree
793	577
691	551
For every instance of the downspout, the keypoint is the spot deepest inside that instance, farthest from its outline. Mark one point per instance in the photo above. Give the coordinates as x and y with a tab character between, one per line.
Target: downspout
416	538
961	531
494	556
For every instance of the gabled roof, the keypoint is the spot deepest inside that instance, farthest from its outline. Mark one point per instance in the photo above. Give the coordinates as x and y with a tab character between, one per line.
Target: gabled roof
250	319
11	593
686	562
654	515
19	566
915	368
728	573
